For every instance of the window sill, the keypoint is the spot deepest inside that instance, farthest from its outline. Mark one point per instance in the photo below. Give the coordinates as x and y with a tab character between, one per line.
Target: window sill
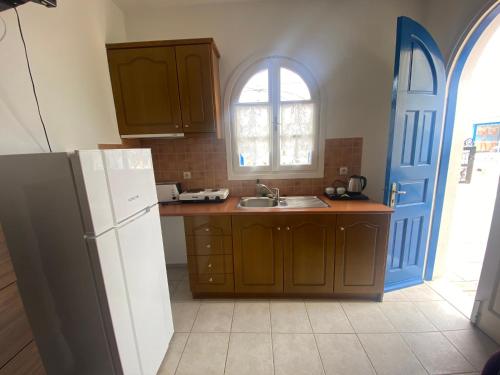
274	175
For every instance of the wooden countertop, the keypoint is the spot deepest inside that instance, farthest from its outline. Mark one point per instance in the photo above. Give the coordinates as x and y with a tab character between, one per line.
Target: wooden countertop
228	207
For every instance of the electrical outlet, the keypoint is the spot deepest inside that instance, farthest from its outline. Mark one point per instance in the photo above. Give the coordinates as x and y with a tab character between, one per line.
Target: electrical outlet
186	175
343	171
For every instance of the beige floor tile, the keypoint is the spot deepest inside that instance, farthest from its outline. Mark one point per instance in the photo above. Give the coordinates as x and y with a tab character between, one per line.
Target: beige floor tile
343	354
296	354
250	354
184	314
174	353
421	293
172	285
289	317
214	317
443	315
182	292
396	295
328	317
405	317
177	272
251	317
390	355
205	353
436	353
475	346
366	317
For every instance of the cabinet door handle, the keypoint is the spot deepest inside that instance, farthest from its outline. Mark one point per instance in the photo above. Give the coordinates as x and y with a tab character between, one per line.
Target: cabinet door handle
186	125
210	280
287	228
208	246
278	228
207	229
209	265
342	228
177	126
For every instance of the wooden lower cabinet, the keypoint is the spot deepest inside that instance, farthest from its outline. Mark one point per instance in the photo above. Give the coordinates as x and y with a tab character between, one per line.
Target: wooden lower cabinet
309	246
210	255
258	254
360	253
295	254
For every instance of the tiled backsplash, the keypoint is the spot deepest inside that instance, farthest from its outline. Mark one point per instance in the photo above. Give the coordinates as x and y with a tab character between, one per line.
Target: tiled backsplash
205	157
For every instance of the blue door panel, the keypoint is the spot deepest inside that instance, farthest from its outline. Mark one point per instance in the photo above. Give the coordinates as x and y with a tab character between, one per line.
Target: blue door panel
416	123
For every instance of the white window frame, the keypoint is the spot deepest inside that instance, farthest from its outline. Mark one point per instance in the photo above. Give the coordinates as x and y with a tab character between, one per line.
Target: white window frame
274	170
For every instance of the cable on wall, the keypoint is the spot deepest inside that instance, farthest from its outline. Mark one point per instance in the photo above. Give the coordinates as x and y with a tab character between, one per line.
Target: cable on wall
32	81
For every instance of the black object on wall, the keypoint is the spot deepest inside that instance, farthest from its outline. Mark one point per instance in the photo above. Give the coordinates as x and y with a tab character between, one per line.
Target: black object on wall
7	4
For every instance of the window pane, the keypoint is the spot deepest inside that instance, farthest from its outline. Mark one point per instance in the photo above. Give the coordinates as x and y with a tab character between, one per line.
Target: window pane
296	133
256	89
252	135
293	86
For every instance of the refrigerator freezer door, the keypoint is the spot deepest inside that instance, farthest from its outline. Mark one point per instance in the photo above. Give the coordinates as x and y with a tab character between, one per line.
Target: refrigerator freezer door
145	274
112	291
131	181
92	188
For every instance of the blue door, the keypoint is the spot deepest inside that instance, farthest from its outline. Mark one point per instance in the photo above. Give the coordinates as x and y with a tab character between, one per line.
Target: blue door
415	130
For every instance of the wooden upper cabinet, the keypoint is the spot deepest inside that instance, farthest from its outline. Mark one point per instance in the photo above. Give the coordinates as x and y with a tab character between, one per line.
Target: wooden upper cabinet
361	252
166	87
196	86
309	254
258	254
145	90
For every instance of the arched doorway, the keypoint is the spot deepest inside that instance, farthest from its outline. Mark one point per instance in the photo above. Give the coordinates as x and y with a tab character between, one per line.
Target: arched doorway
463	204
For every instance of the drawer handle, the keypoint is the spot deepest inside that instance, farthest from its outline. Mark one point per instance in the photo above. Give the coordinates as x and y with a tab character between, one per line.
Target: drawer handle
287	228
278	228
342	228
177	126
208	246
209	265
210	280
207	229
186	125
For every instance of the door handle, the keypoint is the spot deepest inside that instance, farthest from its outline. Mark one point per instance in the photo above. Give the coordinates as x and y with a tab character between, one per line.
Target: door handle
394	193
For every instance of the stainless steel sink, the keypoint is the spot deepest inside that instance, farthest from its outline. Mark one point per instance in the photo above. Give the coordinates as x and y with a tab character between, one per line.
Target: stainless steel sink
285	202
254	202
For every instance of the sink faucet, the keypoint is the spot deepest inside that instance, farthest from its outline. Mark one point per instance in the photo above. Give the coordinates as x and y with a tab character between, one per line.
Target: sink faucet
264	191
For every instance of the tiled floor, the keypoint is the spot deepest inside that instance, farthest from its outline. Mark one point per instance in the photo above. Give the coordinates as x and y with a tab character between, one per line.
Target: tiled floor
413	331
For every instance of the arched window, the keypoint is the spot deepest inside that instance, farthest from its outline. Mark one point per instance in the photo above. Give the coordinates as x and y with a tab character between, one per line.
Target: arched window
274	121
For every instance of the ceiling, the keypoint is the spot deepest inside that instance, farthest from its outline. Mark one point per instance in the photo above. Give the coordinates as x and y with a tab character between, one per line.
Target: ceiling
124	4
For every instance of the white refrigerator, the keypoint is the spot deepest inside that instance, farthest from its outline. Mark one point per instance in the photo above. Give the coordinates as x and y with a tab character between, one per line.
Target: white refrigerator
85	238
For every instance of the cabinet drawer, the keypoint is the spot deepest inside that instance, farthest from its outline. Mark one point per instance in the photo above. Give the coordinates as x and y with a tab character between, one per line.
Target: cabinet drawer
207	225
217	283
210	264
209	245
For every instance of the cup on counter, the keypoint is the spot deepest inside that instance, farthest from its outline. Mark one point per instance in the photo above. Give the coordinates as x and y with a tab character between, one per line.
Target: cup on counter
340	190
330	190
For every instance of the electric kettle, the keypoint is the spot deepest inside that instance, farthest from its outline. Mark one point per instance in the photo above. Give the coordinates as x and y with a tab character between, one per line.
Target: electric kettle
356	184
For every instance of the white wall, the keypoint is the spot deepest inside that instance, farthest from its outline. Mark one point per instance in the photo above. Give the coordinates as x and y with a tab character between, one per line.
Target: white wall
348	46
66	46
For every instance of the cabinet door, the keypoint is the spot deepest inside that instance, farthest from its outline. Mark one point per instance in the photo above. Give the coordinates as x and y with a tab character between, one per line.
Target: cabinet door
361	253
145	90
258	254
309	254
196	85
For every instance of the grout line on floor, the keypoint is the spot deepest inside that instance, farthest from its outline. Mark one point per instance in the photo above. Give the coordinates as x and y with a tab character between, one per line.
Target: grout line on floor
414	354
229	339
182	353
360	342
315	341
458	350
